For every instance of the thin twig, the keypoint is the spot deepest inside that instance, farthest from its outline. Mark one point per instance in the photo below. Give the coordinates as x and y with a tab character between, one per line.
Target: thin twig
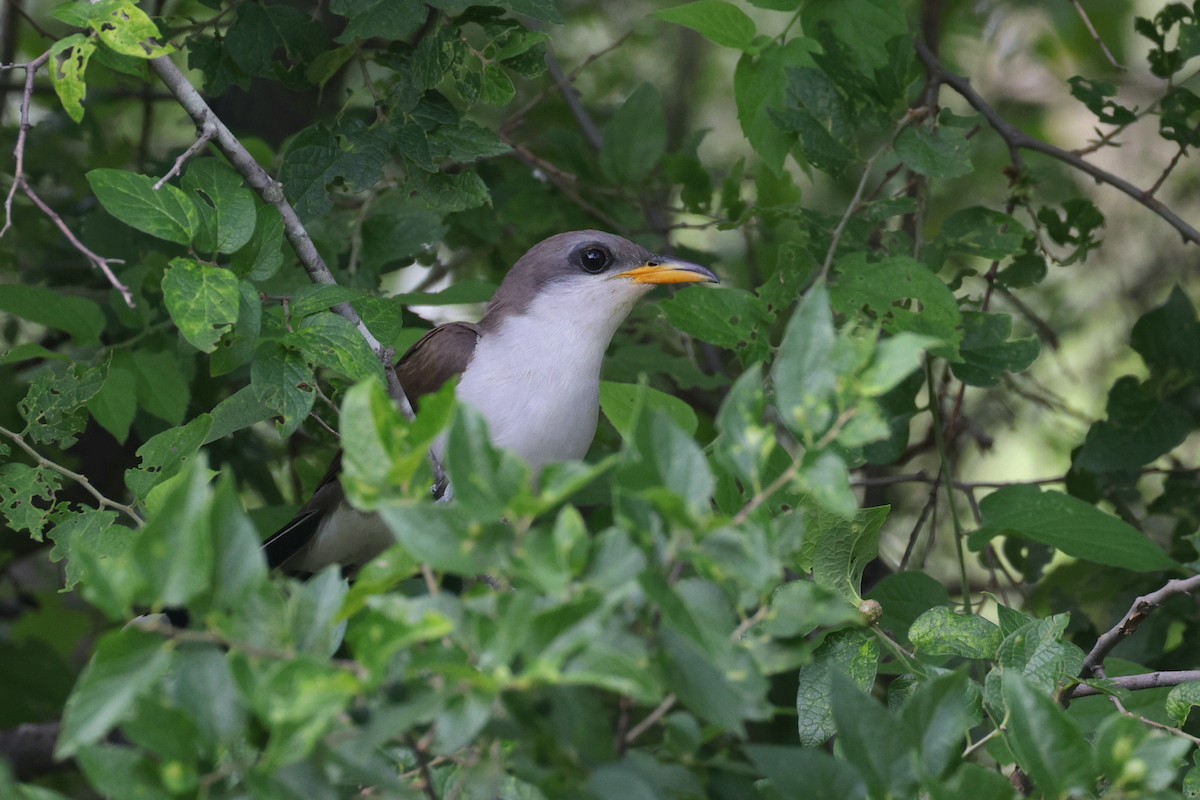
1174	162
1083	15
1116	701
21	184
651	719
852	208
208	132
419	753
1018	140
79	478
515	118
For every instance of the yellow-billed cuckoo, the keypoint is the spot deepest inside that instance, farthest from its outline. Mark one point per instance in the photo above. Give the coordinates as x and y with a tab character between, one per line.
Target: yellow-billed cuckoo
531	367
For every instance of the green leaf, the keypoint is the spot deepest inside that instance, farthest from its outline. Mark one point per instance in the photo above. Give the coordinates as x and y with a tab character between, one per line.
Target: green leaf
720	22
805	377
664	464
351	156
240	410
174	552
1168	337
164	455
86	530
225	207
904	596
1141	426
635	138
746	441
237	347
986	351
839	548
983	232
128	30
378	19
165	214
79	317
817	114
485	477
318	297
115	405
68	63
126	665
203	301
26	497
262	256
883	290
723	697
53	407
865	25
894	359
825	479
330	340
283	382
1037	651
382	452
1181	700
1095	95
1048	745
432	534
163	385
807	772
875	741
939	152
942	711
1069	524
239	565
941	631
731	318
544	10
622	402
759	84
853	653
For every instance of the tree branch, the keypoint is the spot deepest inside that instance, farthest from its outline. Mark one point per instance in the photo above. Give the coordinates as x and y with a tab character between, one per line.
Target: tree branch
271	191
1018	140
1135	683
1129	623
20	184
82	480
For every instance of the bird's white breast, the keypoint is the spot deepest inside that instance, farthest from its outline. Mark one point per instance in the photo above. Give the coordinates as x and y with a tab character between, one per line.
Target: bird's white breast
536	378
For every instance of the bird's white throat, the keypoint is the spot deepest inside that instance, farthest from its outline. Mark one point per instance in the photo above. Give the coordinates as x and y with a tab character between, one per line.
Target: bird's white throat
535	377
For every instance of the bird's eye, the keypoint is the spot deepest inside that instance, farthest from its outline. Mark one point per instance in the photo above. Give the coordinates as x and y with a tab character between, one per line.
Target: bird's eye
595	259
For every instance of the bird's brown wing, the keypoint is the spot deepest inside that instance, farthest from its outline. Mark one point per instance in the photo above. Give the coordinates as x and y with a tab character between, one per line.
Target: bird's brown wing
438	356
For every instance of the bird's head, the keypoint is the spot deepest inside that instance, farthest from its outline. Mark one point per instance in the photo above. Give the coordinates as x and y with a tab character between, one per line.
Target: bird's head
587	276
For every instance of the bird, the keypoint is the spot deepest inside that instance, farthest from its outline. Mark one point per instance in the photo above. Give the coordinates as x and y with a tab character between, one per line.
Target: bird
530	366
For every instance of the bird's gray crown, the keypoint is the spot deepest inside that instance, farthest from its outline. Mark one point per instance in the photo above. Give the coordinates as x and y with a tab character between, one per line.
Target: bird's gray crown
558	258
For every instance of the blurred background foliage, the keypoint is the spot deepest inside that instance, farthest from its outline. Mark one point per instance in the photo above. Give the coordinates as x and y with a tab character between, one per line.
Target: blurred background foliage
761	535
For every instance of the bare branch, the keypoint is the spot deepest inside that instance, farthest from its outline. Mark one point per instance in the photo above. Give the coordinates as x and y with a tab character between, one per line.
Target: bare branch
208	132
21	184
1135	683
1129	623
1018	140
